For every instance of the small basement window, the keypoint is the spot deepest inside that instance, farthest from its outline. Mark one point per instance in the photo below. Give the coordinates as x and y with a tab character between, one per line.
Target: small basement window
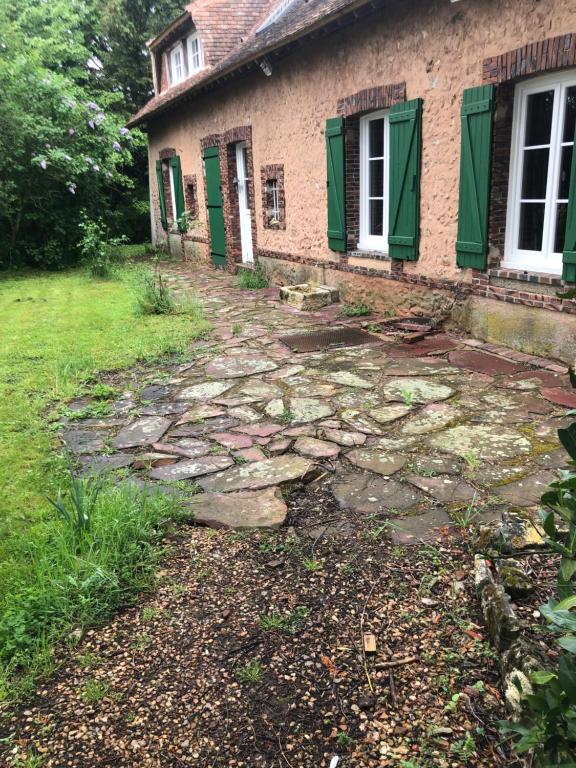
374	162
541	159
273	196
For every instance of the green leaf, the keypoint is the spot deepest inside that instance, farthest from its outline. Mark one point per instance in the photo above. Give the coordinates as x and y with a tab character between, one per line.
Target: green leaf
568	439
541	677
569	602
568	642
567	676
548	523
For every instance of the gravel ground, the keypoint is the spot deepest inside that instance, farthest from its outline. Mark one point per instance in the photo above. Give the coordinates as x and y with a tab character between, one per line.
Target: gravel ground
250	653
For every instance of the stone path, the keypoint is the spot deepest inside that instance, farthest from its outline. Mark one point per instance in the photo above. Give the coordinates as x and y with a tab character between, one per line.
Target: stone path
414	433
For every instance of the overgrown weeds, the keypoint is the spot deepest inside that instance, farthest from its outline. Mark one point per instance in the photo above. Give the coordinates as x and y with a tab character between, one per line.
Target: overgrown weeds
253	279
154	296
76	570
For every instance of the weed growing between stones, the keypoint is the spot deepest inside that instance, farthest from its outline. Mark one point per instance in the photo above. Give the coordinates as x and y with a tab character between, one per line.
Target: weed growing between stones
356	310
253	279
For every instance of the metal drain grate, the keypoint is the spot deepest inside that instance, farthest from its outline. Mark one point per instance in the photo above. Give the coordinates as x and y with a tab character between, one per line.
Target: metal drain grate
336	337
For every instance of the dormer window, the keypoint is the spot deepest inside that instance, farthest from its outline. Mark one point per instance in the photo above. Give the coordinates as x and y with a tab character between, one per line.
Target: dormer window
184	59
194	54
176	65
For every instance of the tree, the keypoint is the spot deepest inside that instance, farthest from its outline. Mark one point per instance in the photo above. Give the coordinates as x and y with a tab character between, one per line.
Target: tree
63	147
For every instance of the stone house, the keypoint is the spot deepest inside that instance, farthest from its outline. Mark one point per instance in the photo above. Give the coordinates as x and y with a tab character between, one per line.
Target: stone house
418	154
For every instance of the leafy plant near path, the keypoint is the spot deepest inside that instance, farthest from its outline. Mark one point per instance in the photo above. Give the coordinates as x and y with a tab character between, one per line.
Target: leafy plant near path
253	279
548	725
96	558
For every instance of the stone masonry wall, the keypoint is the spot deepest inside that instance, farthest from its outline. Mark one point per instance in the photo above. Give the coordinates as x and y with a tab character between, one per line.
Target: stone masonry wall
437	49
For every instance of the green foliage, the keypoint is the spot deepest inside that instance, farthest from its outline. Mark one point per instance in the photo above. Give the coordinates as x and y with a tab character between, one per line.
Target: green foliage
153	296
548	725
356	310
97	247
250	673
83	498
94	691
253	279
80	568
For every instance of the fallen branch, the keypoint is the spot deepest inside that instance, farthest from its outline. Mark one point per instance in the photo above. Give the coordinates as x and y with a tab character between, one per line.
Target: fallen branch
395	662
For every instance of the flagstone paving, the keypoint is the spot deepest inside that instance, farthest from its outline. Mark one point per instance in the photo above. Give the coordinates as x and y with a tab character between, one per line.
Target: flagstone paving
367	462
453	424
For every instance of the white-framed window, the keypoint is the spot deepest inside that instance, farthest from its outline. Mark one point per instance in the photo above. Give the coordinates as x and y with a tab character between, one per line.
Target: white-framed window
540	163
374	173
272	201
176	64
195	58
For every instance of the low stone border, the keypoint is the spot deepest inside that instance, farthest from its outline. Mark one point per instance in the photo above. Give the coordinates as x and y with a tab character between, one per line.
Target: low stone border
518	657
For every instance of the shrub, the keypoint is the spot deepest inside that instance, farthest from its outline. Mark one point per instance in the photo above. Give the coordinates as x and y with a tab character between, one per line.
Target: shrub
253	279
356	310
549	713
100	252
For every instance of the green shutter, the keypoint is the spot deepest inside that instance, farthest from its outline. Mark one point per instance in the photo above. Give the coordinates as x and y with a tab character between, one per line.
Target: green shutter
335	184
569	254
475	154
178	191
214	206
161	198
405	151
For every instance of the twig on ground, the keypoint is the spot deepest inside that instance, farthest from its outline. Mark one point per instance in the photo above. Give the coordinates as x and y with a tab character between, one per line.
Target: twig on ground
395	662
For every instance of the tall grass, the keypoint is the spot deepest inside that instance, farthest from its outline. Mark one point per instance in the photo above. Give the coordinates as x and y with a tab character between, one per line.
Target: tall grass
67	576
253	279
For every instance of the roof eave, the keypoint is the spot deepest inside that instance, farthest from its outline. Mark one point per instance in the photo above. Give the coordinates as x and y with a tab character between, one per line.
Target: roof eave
250	59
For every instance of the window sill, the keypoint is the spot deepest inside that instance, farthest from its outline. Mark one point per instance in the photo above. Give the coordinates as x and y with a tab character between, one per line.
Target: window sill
366	253
526	276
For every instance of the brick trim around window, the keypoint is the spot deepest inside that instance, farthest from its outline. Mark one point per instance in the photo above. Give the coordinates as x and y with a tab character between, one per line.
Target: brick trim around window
226	143
167	153
371	99
352	107
504	70
191	194
543	56
269	173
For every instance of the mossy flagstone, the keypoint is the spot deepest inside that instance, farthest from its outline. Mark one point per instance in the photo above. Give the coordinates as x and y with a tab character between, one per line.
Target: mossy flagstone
388	413
415	390
207	390
431	418
191	468
376	461
260	474
492	442
349	379
238	511
143	431
239	366
370	494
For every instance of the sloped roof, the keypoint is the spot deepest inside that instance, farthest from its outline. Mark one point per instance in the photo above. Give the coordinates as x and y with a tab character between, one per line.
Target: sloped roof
300	18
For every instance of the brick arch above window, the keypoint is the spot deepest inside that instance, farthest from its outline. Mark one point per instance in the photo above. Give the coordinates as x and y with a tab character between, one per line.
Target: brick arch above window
542	56
371	99
167	153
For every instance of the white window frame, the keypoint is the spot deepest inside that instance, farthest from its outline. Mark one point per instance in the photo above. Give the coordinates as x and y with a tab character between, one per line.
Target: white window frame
179	48
274	211
367	241
193	38
545	260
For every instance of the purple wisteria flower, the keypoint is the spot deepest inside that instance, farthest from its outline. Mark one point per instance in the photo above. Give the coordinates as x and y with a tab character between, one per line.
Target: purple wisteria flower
72	189
43	164
92	124
124	131
47	146
89	160
116	147
96	168
71	131
93	105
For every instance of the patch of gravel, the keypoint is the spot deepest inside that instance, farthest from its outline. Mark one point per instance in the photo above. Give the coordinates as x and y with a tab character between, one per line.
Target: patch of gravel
171	673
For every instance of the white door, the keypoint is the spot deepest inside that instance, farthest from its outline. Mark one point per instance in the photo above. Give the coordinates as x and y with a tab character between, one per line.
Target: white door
244	208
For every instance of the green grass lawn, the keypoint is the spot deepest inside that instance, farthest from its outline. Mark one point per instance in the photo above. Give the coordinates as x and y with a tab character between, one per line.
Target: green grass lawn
58	329
60	332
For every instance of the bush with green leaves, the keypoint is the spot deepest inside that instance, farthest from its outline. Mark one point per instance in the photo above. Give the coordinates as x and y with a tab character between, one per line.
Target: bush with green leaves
547	727
100	251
